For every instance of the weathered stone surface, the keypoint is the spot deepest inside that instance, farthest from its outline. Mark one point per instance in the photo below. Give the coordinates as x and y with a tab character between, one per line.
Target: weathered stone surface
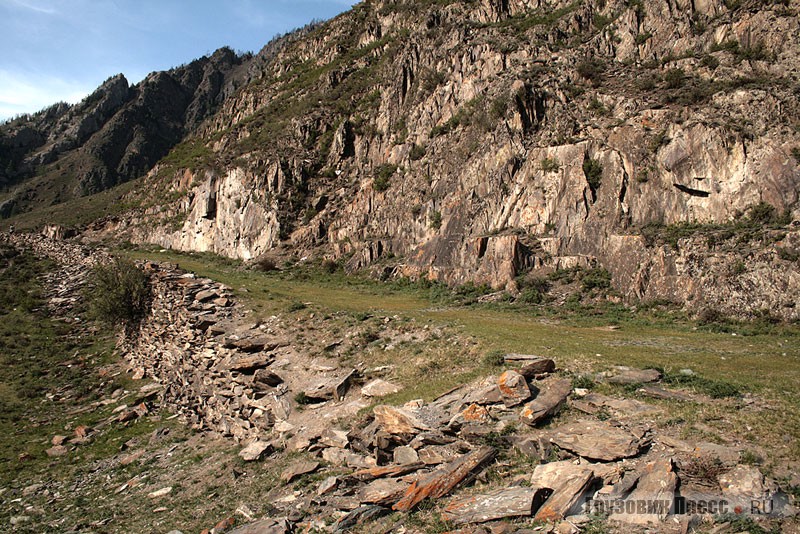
205	295
474	414
443	480
265	526
334	438
335	387
548	401
566	495
254	451
250	362
498	504
634	376
398	420
656	490
623	408
596	440
485	394
382	491
56	451
405	456
747	490
328	485
379	388
386	471
266	379
552	474
299	469
529	365
513	388
359	516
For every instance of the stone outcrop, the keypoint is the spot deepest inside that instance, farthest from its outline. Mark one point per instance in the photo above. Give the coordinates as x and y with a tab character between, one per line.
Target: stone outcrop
504	149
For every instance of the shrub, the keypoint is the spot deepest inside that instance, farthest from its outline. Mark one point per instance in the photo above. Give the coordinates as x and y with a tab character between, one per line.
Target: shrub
119	292
596	279
265	264
593	170
383	176
591	70
417	152
550	165
642	38
675	78
436	220
329	266
796	154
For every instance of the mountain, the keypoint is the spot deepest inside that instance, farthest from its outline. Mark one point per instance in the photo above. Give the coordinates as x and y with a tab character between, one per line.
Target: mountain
468	141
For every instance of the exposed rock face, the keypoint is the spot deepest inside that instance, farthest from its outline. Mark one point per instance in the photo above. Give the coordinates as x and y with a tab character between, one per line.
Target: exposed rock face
474	141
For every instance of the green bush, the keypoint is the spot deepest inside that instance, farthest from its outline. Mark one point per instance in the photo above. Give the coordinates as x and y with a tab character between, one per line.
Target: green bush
119	292
435	220
550	165
383	175
675	78
417	152
596	279
593	170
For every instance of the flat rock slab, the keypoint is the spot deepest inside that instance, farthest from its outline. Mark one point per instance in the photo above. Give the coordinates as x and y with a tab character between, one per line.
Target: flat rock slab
398	420
379	388
386	471
252	344
249	363
595	402
653	498
499	504
335	387
443	480
596	440
254	451
266	379
206	295
744	487
485	394
551	475
265	526
360	516
634	376
513	388
728	456
529	365
405	456
547	402
382	491
474	414
299	469
568	493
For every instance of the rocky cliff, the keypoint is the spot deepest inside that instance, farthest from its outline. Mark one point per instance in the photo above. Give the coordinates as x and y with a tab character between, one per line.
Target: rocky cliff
482	140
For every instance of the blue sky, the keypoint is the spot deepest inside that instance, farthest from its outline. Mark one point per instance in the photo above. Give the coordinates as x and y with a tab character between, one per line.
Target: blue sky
55	50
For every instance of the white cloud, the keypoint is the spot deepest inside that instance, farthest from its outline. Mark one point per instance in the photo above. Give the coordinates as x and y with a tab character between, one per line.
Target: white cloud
28	93
34	6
